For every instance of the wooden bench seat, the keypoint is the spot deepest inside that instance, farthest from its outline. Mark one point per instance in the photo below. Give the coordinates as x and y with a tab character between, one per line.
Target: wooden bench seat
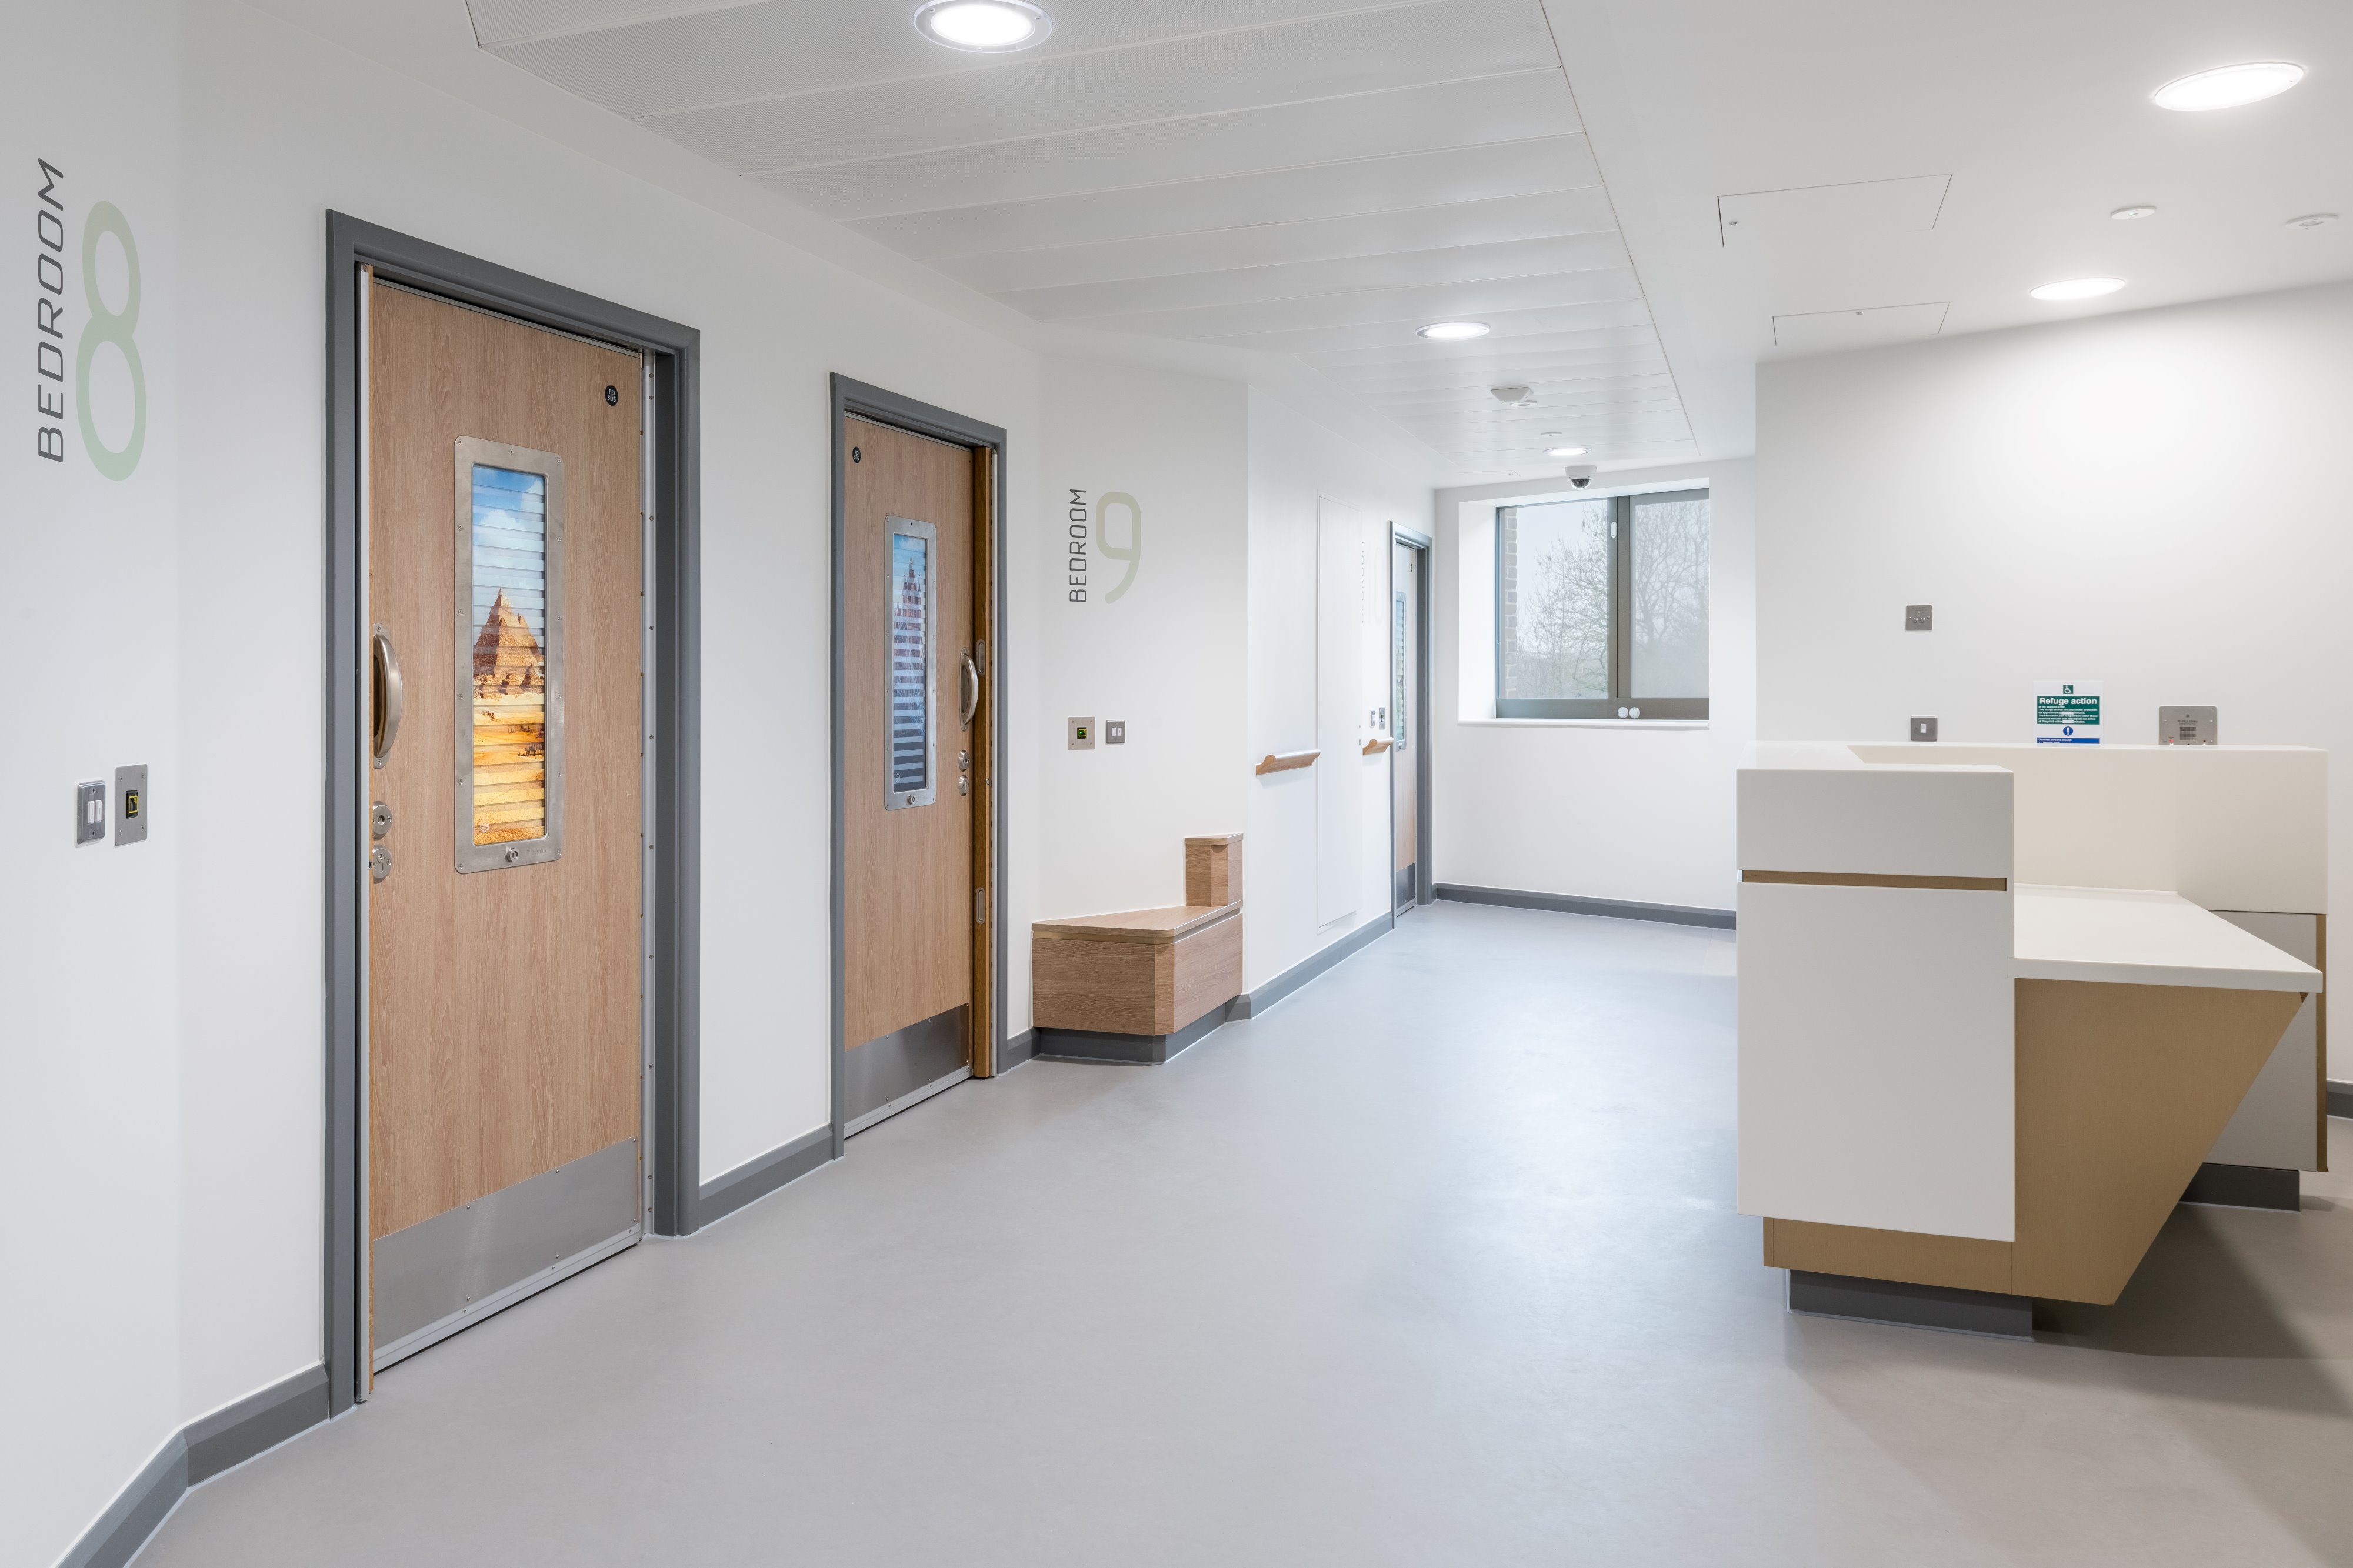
1150	974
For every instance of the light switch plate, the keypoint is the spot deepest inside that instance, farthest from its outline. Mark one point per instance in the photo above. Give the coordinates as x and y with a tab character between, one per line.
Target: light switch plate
1919	617
89	811
1923	729
1114	732
131	804
1082	735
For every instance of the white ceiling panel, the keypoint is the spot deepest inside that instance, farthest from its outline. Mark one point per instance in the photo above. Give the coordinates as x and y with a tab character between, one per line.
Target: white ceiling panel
1827	331
1288	135
1284	196
1304	178
1554	259
642	59
1400	311
1327	57
1495	353
1551	214
1548	378
1308	341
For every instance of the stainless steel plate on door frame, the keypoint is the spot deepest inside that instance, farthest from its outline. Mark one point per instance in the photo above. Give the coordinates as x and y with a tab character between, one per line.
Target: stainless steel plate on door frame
911	637
516	570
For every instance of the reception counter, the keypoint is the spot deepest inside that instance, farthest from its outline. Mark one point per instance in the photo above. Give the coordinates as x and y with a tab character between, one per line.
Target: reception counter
2001	1006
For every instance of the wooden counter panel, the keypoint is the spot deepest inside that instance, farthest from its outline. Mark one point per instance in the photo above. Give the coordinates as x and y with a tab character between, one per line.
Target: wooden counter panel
2122	1089
1119	988
1208	970
1957	1262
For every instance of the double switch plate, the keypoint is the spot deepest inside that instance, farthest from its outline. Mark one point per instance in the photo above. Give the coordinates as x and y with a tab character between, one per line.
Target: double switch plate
130	807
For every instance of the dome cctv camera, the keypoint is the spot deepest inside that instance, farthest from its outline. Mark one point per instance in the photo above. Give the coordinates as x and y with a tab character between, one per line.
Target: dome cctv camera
1581	474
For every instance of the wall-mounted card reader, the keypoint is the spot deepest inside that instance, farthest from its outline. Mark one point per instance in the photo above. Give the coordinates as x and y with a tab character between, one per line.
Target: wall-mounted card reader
2185	727
89	811
131	804
1082	735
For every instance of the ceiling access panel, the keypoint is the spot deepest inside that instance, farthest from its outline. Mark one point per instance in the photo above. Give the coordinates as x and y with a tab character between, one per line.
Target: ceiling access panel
1406	181
1814	214
1410	270
1553	215
646	58
1422	118
1405	47
1551	387
1829	331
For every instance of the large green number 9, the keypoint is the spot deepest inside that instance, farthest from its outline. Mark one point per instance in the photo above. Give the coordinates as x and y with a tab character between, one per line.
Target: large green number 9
1133	551
110	327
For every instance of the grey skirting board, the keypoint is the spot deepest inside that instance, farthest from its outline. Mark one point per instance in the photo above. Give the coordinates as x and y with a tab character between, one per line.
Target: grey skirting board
194	1455
756	1178
1134	1051
1912	1306
1572	904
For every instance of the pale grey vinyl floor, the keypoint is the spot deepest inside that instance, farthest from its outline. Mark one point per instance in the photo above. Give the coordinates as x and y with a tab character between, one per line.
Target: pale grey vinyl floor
1435	1263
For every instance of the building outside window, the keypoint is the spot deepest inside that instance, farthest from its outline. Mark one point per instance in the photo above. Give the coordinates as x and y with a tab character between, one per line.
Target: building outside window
1601	608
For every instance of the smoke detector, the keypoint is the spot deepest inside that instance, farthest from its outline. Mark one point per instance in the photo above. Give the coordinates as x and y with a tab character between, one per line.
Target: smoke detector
1518	396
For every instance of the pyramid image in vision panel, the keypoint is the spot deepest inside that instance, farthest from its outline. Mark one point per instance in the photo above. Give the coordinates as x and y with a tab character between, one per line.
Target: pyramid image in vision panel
510	570
510	729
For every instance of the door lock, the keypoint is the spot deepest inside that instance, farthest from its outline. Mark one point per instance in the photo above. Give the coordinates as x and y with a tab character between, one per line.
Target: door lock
379	820
379	863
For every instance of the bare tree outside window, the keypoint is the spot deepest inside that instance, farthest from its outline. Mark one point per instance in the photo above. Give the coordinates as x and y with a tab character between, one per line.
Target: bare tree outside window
1602	607
1557	600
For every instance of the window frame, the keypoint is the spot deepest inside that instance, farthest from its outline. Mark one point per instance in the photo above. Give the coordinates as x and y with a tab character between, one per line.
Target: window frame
1620	703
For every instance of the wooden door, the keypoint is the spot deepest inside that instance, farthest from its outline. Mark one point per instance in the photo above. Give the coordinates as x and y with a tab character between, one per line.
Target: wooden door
910	675
1404	716
503	505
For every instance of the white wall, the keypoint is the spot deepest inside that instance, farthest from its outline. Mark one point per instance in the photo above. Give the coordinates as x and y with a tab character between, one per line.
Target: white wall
1633	809
164	1009
1298	469
92	966
1168	655
2154	500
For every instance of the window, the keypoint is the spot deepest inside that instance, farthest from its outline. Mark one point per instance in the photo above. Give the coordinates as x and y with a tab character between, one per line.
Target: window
510	667
910	739
1601	608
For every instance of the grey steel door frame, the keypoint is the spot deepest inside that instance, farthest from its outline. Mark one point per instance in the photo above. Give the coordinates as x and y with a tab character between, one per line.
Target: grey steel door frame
672	354
1425	881
878	406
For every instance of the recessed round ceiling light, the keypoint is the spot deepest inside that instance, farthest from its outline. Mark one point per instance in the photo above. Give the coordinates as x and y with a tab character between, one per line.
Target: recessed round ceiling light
2079	289
2312	220
1453	332
2227	87
1564	451
2125	215
985	26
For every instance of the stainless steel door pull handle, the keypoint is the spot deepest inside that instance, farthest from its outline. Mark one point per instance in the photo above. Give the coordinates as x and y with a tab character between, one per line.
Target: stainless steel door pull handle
971	689
386	695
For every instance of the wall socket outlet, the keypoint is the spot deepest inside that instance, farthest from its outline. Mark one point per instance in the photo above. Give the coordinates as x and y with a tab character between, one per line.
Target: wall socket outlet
1919	617
1923	729
1114	732
1082	735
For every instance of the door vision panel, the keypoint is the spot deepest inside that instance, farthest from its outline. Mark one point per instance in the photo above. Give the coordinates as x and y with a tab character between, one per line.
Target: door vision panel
911	692
504	576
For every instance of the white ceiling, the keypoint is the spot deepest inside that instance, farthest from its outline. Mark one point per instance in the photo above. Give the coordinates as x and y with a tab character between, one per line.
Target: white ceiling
2037	110
1315	179
1301	177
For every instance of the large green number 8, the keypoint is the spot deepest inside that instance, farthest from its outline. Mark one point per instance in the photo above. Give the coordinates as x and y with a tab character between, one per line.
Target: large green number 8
110	327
